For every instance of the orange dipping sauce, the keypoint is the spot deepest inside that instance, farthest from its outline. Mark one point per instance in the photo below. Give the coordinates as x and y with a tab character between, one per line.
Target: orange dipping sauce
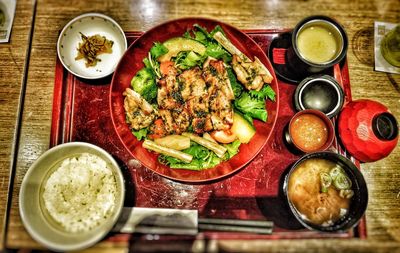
309	132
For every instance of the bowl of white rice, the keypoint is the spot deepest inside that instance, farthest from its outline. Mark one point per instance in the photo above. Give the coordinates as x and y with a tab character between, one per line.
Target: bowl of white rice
71	196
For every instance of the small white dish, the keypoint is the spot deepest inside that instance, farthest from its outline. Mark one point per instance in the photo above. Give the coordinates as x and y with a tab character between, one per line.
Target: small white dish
91	24
34	214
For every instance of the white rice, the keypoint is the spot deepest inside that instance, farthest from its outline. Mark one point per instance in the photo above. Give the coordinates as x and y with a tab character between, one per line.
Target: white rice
80	193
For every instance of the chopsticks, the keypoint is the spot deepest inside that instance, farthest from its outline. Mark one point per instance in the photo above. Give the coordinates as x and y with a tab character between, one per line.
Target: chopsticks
183	222
233	225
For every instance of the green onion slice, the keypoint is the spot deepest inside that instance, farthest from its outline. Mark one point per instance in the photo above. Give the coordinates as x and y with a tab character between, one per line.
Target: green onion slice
346	194
342	182
336	171
326	181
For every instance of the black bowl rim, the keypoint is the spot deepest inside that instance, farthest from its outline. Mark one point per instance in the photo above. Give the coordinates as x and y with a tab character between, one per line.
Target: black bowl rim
306	81
355	175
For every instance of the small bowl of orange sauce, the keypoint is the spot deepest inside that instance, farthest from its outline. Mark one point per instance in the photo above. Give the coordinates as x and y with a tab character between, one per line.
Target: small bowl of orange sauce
309	131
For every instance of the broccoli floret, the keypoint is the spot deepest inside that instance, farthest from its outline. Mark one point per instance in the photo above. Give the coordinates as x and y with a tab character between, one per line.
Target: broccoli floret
144	83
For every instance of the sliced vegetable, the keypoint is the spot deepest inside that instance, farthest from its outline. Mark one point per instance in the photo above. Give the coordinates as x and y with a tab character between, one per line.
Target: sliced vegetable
242	128
203	158
223	136
144	83
93	46
346	193
177	142
342	182
208	137
158	129
218	149
218	36
166	66
325	180
167	151
267	77
179	44
334	172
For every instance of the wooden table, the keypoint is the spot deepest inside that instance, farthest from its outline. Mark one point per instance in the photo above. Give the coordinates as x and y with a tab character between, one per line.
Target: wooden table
27	79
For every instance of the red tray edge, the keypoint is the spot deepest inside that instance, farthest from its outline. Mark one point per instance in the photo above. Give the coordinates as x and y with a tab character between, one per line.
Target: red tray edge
61	119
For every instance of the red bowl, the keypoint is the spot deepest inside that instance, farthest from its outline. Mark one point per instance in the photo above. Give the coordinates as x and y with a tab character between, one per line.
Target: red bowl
368	130
131	62
290	138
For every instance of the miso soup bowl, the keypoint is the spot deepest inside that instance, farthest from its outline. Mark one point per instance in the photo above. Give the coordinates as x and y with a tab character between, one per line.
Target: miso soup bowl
358	203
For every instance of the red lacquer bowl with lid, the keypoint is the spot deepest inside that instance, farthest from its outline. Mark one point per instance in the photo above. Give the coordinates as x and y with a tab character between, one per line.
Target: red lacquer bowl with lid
368	130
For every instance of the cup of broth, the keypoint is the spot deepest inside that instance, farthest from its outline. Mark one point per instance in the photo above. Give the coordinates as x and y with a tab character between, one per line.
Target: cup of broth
318	42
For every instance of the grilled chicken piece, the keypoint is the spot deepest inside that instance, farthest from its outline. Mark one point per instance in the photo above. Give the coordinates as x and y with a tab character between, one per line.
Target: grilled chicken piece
202	124
139	113
219	77
175	121
169	92
181	120
252	74
220	94
167	119
196	96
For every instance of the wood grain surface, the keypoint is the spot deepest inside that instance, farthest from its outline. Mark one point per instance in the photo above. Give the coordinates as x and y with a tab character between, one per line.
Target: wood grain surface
357	17
12	67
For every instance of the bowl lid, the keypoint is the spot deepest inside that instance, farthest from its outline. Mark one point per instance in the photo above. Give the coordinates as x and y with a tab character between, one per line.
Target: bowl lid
367	129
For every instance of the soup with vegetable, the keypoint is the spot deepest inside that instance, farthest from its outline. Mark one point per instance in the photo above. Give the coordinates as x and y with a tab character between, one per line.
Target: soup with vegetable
320	191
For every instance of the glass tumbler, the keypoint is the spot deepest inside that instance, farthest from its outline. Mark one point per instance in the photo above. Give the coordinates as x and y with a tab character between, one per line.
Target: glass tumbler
390	46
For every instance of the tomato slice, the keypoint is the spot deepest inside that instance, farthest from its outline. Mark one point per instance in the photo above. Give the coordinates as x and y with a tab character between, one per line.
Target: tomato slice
223	136
165	67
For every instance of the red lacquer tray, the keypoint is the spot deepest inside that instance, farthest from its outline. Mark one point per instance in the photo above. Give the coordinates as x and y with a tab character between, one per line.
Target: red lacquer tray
81	113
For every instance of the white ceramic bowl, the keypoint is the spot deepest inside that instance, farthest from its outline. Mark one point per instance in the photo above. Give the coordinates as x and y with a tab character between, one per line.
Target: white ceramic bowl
90	24
36	219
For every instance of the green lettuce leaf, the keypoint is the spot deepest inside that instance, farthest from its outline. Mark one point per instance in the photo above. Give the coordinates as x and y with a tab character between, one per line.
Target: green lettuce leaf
141	134
265	93
251	106
157	50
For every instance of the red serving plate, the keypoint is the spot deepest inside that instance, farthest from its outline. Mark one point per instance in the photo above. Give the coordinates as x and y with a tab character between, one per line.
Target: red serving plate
131	63
81	113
